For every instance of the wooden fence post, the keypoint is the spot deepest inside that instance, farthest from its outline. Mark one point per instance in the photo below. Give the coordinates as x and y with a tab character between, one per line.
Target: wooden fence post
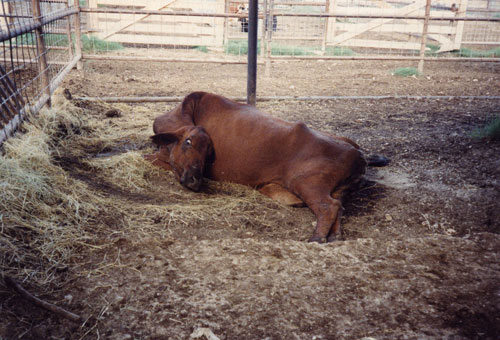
325	32
68	34
264	31
78	36
461	13
269	38
226	22
41	51
424	36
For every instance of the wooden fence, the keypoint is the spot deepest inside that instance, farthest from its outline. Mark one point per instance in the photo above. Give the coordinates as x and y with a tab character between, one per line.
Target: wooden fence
160	30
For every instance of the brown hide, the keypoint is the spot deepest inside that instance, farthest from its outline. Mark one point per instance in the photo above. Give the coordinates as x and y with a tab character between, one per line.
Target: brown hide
288	162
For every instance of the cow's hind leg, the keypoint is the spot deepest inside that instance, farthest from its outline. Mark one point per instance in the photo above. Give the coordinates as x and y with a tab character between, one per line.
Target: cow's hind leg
336	231
327	209
280	194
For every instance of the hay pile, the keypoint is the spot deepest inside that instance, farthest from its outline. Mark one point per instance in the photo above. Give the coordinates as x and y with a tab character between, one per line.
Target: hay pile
45	213
72	183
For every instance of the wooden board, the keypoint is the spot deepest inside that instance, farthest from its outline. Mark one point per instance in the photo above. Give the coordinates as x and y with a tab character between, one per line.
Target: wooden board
141	28
447	33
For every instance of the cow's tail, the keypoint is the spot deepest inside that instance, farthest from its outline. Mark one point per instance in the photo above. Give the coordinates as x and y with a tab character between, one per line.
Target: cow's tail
377	160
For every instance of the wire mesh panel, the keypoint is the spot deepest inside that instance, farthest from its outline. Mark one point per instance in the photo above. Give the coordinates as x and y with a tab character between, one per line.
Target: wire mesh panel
354	29
36	48
383	28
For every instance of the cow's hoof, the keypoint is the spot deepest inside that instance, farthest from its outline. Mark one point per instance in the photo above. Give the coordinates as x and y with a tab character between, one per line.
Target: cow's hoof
335	237
317	239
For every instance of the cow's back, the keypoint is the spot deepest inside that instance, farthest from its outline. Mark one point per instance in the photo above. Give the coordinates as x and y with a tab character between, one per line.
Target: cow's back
254	148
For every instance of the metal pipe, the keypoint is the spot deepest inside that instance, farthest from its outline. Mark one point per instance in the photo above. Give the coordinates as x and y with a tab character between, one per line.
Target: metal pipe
252	51
281	14
177	99
30	25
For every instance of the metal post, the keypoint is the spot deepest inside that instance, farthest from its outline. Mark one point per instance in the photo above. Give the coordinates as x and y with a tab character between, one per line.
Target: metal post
252	52
78	36
41	51
424	36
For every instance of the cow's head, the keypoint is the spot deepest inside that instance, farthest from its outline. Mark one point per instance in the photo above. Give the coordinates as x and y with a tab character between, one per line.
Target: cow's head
189	148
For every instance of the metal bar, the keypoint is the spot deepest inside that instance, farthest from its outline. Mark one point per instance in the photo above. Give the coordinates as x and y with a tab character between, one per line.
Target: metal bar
175	99
280	14
30	25
417	58
252	51
156	12
285	58
34	61
160	59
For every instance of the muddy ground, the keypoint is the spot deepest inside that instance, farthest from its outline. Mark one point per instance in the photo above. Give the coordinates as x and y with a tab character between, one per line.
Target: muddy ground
420	258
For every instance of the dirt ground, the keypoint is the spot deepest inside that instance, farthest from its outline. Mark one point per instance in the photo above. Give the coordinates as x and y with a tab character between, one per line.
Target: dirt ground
420	258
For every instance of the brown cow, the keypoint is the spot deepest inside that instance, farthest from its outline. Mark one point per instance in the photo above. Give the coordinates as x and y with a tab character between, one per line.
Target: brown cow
212	136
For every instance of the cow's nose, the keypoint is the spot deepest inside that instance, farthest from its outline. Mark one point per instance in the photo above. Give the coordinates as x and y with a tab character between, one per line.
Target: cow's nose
191	181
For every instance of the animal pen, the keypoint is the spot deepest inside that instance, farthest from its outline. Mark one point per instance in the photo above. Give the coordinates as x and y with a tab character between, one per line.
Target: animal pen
41	40
88	224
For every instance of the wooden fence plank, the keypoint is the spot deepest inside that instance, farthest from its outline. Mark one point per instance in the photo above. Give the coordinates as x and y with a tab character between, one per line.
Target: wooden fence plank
152	5
361	28
194	40
462	8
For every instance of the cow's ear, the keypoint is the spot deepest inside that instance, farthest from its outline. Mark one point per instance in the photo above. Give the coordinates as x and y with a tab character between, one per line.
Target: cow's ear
211	154
165	138
190	103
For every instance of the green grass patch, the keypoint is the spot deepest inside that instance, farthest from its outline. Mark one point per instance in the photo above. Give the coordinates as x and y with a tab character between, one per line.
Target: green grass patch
240	47
489	131
406	72
292	50
432	50
99	45
468	53
339	51
203	49
88	43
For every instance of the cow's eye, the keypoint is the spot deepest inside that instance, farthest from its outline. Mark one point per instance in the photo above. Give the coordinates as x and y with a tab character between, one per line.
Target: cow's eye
188	141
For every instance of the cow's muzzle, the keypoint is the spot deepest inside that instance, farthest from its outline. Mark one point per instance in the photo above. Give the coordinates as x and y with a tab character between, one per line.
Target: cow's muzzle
192	180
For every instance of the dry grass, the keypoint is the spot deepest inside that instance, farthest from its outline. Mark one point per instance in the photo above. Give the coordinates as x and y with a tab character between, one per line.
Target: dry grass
44	211
70	186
